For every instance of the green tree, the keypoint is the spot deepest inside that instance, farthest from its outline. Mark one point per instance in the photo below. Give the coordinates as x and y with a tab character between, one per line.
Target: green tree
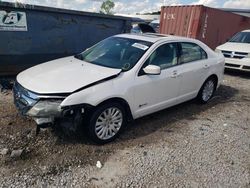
107	7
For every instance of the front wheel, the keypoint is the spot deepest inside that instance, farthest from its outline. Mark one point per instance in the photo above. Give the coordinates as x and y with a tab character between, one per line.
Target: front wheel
106	122
207	90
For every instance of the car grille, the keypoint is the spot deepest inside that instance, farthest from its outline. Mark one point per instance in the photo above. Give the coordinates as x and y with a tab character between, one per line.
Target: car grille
23	98
232	65
236	55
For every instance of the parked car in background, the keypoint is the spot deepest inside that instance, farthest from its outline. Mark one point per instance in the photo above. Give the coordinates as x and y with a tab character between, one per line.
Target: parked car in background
142	28
156	25
121	78
237	51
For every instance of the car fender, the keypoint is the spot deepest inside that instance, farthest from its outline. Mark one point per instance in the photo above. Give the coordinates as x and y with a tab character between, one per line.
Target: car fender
99	93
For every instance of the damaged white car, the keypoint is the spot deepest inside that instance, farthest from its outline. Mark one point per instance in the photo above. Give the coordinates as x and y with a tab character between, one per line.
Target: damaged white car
121	78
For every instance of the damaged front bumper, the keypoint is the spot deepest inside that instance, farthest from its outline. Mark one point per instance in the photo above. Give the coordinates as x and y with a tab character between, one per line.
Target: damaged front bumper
43	109
46	110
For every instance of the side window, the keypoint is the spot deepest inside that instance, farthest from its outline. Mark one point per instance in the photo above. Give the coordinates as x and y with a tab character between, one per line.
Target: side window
164	56
191	52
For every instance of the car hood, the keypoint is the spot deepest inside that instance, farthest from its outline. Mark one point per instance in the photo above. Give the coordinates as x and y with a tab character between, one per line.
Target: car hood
64	75
235	47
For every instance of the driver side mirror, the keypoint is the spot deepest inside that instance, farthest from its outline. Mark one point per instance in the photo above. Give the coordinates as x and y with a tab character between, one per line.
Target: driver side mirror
152	70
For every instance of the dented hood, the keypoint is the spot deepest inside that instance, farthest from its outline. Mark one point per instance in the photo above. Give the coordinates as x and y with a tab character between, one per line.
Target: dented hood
64	75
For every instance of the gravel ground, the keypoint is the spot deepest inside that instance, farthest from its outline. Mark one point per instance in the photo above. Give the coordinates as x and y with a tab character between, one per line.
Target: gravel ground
189	145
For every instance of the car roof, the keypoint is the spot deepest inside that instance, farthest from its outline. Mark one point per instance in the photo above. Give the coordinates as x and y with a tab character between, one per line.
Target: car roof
248	30
154	37
155	21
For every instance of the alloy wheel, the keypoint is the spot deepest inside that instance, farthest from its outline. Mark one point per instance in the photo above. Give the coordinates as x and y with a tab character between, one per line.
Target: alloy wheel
108	123
208	90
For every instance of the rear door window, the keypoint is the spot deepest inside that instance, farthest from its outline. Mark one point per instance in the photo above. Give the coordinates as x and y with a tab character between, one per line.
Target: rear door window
191	52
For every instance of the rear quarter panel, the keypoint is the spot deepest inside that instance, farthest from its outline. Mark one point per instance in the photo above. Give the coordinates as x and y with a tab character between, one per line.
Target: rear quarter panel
218	67
217	63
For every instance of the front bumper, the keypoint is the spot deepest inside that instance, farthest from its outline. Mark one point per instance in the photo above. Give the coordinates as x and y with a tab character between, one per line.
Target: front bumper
28	102
237	64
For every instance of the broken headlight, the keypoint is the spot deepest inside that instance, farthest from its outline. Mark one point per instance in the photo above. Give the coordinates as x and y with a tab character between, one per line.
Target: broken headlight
46	108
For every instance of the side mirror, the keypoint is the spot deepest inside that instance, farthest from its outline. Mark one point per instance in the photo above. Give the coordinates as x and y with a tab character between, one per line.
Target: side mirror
152	70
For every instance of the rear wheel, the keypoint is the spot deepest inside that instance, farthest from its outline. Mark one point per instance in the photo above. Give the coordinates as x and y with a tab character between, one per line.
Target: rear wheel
106	122
207	90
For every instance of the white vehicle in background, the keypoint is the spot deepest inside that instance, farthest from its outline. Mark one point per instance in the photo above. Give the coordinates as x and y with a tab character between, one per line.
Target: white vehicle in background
121	78
237	51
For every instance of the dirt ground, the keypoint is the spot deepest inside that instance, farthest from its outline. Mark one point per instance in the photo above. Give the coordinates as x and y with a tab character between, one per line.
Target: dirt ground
189	145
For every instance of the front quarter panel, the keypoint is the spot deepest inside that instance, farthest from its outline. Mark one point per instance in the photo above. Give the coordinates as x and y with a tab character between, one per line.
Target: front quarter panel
115	88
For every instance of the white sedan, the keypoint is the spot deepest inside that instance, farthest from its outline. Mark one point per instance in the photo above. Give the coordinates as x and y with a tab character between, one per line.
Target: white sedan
121	78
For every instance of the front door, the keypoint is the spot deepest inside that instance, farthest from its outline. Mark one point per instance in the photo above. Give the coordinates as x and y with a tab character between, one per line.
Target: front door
155	92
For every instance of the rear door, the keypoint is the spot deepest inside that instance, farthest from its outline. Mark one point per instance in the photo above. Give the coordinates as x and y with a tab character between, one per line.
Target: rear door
193	68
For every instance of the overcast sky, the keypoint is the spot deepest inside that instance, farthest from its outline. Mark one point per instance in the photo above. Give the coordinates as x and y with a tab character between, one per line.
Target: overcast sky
134	6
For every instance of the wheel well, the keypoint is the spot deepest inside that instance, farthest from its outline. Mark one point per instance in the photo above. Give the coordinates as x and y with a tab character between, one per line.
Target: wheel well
215	78
121	101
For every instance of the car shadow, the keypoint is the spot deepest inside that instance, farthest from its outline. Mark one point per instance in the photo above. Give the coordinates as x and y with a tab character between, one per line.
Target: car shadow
164	120
237	73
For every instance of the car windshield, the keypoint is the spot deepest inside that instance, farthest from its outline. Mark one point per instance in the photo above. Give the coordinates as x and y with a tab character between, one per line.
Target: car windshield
242	37
115	52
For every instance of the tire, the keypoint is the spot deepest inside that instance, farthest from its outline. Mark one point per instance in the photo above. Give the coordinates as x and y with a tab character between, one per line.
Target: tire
207	91
106	123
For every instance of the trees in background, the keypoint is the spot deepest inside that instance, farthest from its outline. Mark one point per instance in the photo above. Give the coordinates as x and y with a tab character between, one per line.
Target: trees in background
107	6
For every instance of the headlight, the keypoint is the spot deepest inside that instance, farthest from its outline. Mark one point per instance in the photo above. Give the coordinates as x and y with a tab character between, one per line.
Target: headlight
46	108
217	51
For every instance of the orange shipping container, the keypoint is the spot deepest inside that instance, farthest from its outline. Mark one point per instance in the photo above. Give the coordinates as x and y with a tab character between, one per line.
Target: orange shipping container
210	25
